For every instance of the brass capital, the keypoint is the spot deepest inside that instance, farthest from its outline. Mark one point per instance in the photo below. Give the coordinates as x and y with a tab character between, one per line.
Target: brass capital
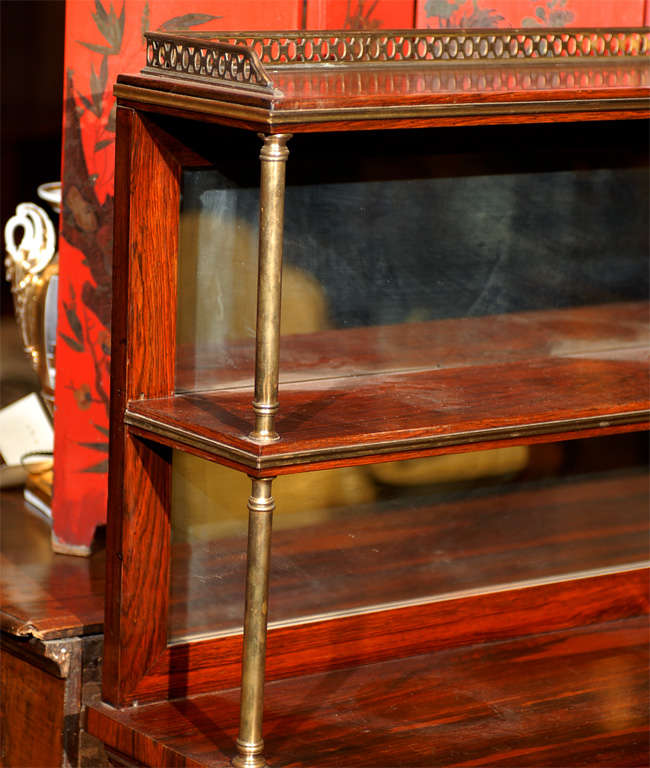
274	148
261	499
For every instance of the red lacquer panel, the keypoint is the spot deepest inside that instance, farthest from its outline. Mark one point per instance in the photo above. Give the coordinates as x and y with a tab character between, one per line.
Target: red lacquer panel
530	13
360	14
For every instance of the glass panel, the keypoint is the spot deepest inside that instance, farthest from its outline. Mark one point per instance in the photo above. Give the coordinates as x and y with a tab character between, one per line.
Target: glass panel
217	279
352	538
387	235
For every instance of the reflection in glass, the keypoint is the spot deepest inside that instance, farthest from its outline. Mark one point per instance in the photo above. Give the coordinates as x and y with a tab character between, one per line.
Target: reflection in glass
381	244
353	538
415	250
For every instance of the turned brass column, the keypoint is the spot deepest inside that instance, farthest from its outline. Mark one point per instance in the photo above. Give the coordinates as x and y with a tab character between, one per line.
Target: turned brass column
260	517
273	157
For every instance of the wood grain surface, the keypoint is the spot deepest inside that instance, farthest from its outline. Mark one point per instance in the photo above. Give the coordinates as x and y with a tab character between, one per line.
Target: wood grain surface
43	594
340	418
143	337
415	548
500	557
331	98
458	342
51	609
452	620
561	698
32	721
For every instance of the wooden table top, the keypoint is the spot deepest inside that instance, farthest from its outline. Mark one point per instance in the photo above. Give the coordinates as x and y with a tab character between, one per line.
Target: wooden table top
44	594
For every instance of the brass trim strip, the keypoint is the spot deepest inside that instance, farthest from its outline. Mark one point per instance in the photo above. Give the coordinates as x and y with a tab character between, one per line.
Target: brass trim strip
249	459
461	594
461	110
154	428
226	109
270	119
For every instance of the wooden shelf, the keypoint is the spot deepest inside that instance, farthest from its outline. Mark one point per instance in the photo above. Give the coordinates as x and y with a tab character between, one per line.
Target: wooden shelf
567	698
370	394
380	417
51	647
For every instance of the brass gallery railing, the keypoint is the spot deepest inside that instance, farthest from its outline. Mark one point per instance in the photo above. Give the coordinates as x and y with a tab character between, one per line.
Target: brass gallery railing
241	58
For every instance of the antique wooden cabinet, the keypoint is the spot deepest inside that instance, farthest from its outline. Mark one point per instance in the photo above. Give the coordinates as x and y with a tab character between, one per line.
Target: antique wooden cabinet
452	417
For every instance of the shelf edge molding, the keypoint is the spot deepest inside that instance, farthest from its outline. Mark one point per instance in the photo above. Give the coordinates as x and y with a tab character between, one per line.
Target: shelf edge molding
147	427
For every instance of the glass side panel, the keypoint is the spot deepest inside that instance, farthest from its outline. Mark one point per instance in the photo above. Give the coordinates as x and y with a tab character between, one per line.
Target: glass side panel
388	234
353	538
217	276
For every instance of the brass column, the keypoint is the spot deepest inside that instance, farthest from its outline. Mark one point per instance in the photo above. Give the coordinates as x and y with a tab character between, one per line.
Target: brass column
273	158
260	516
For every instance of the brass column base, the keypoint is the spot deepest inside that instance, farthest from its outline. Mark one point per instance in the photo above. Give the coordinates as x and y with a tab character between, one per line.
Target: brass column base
264	431
263	437
250	755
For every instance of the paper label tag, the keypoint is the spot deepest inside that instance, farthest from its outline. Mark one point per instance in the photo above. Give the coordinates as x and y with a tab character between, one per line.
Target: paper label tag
24	428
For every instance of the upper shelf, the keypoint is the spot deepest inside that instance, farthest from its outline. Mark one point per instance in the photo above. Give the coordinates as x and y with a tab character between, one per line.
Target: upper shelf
298	81
481	381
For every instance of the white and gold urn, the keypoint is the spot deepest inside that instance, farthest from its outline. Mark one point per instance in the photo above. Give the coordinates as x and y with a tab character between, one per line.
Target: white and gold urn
32	268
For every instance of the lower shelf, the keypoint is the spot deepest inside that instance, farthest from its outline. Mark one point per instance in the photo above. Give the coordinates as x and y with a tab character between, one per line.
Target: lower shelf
571	698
